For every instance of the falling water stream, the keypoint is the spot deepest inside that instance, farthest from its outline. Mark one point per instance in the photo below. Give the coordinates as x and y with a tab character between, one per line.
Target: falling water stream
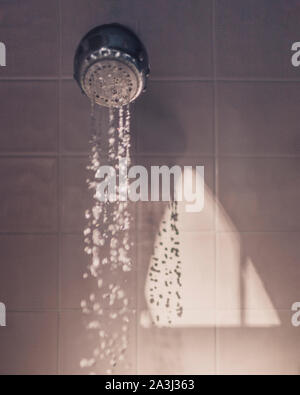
107	242
109	246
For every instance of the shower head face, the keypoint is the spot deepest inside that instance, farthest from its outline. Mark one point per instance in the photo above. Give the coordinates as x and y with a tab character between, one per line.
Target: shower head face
112	83
111	66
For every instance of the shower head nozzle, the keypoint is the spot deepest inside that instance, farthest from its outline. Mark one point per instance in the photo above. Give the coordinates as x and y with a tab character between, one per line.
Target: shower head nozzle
111	65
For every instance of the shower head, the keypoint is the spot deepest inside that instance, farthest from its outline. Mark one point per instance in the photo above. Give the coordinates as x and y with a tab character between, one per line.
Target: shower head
111	65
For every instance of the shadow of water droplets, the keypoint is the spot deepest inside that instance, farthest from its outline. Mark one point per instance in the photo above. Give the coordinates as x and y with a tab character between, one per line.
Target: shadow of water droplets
165	272
107	242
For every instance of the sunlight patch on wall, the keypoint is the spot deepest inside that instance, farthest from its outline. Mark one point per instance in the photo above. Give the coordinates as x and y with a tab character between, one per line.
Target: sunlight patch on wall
256	295
229	294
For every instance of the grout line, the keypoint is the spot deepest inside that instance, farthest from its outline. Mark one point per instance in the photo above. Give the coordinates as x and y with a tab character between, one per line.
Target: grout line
221	79
3	233
136	242
259	156
179	79
29	79
244	232
44	310
29	155
182	155
75	309
216	169
201	231
137	290
59	187
176	155
246	80
185	155
210	79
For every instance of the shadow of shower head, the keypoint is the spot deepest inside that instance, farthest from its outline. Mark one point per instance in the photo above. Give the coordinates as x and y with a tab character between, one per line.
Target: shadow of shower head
111	65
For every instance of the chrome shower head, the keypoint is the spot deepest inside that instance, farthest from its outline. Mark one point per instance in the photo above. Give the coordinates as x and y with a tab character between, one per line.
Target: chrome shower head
111	65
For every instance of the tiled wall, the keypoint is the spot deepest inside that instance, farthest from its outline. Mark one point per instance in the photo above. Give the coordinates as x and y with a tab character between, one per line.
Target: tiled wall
222	94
